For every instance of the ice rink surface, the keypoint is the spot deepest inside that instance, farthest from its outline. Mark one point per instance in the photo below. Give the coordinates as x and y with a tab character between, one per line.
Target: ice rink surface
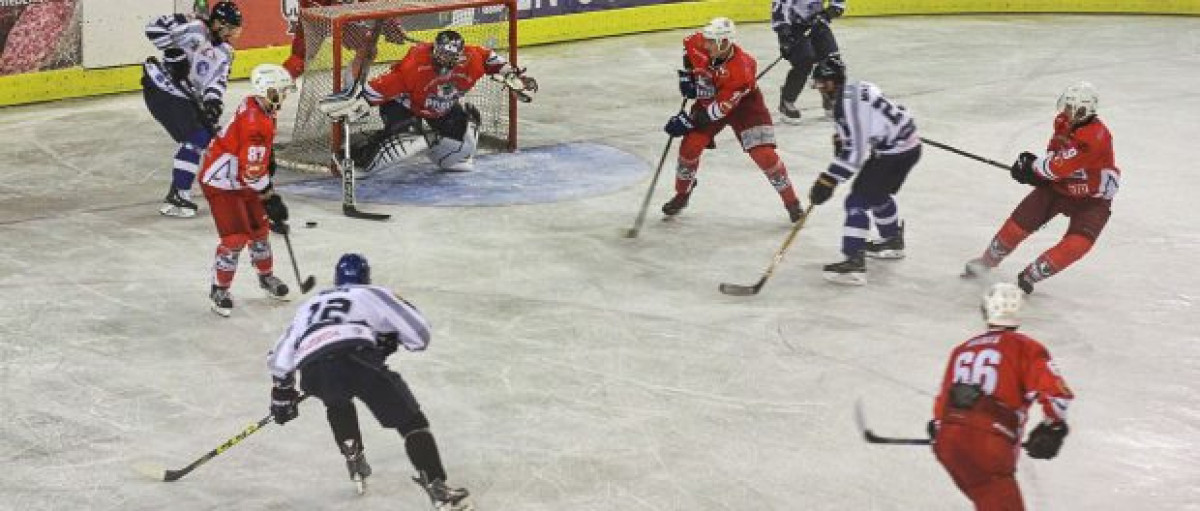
575	369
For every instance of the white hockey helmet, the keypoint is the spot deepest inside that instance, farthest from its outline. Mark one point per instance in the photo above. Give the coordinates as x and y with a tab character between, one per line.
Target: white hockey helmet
272	82
721	32
1002	305
1079	101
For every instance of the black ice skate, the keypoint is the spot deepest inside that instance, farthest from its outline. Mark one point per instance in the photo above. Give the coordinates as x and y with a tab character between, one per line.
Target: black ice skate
443	497
356	464
891	248
795	212
851	272
1024	283
678	202
178	204
791	114
274	287
222	301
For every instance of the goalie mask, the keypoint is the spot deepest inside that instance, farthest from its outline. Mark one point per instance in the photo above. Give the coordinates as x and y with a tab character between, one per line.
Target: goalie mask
1079	102
448	49
719	33
273	83
1002	305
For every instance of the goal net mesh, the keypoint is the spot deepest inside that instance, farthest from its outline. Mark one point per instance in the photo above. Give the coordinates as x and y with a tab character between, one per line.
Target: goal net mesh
335	35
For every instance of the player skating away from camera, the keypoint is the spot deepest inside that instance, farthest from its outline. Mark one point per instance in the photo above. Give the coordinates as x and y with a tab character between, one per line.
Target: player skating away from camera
428	85
185	90
355	38
875	139
339	342
805	32
980	413
1077	178
236	181
720	76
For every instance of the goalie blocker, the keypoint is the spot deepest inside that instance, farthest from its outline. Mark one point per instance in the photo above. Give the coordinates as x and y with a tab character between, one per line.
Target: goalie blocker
428	84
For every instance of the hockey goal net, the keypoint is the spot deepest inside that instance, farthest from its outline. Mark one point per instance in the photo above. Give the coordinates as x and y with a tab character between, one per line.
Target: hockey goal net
338	37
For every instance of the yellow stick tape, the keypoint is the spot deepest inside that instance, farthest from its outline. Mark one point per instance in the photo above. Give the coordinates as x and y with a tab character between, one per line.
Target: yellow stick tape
78	82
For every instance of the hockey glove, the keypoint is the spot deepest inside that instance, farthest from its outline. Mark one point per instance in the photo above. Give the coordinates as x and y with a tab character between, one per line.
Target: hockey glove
284	399
276	210
1022	169
1045	440
822	189
387	342
679	125
212	111
176	63
527	83
687	84
832	11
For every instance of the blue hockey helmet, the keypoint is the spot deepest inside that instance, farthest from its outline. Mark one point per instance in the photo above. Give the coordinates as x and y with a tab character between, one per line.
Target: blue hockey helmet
227	13
352	269
830	68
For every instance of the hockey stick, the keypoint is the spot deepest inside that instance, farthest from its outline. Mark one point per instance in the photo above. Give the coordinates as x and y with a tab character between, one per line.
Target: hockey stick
306	285
739	290
641	218
346	163
960	152
872	438
769	67
175	475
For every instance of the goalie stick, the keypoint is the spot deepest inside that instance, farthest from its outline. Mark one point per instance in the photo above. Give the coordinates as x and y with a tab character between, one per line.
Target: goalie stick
345	165
740	290
960	152
175	475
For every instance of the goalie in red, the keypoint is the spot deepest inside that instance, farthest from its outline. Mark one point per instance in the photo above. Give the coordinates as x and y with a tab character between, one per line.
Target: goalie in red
236	180
987	389
720	76
1077	178
428	85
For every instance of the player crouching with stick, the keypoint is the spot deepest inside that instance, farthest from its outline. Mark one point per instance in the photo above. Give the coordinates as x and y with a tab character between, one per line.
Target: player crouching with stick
237	184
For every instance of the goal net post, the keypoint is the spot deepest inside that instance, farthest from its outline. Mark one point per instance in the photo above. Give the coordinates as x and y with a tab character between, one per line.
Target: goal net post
338	40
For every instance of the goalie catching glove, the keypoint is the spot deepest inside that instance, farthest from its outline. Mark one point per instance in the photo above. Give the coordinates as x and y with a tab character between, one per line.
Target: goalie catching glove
344	105
516	79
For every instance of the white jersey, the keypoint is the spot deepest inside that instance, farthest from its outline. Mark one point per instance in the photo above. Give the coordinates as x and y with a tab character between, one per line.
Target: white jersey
868	123
346	317
799	12
210	63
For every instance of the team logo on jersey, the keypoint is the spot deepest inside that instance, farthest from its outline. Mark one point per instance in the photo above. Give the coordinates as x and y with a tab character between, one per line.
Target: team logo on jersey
291	13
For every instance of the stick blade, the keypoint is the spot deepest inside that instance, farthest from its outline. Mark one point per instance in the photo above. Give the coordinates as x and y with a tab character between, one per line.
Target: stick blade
739	290
173	475
308	284
354	212
632	233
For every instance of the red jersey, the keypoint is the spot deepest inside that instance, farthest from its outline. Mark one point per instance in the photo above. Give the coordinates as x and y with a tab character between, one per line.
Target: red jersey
1080	161
1015	371
719	88
239	156
417	84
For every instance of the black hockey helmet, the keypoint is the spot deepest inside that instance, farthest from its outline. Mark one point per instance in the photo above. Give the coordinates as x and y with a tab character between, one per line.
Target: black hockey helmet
227	13
448	49
830	68
352	269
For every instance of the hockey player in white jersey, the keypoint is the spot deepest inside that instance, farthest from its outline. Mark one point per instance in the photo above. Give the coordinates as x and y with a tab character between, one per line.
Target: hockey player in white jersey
339	341
805	32
877	140
185	89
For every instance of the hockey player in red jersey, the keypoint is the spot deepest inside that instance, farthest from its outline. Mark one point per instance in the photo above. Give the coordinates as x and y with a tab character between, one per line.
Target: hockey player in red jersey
980	413
354	39
1077	178
236	180
428	85
720	76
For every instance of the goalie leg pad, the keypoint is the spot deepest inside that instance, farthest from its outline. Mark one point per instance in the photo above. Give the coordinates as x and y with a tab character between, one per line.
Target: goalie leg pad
456	155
